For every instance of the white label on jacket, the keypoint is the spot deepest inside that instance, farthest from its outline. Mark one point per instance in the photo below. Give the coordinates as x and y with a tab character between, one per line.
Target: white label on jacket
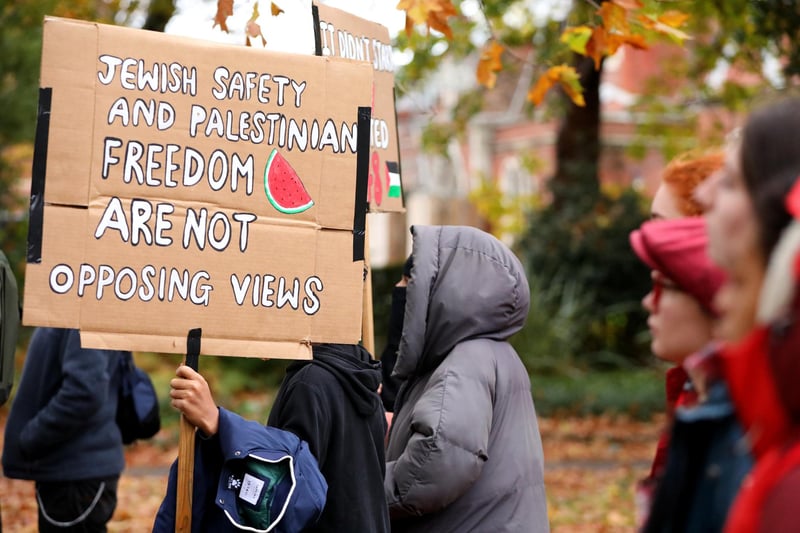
251	489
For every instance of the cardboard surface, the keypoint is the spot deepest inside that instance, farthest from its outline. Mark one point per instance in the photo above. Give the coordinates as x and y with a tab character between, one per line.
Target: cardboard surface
345	36
158	217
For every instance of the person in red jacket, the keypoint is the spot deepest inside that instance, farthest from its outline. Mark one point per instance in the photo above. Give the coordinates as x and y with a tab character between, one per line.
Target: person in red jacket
754	227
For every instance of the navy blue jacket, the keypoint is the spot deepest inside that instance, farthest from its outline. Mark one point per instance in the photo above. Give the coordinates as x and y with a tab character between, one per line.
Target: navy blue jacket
229	485
708	458
62	422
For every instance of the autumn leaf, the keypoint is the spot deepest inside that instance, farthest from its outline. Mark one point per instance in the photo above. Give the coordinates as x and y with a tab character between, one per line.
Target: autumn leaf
538	91
673	18
614	31
253	29
629	4
631	39
224	10
571	84
597	46
490	64
566	77
615	18
576	38
437	20
275	9
432	13
657	25
415	10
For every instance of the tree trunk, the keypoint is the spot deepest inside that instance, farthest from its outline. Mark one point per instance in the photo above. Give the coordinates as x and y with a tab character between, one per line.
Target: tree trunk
578	142
158	14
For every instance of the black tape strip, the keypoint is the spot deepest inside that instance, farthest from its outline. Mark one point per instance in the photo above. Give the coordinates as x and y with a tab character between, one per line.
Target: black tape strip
362	178
317	30
193	348
38	171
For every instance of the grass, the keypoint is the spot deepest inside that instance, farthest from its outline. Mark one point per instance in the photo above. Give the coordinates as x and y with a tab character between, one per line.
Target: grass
638	393
249	386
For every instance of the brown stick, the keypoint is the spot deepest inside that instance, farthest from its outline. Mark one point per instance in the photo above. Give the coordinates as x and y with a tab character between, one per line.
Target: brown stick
183	510
367	324
183	505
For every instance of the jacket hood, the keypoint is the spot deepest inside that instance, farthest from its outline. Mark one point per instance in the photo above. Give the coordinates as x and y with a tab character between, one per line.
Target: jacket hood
465	284
354	369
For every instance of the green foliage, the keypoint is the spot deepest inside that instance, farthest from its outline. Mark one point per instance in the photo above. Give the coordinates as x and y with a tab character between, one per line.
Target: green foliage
437	135
638	393
779	21
383	280
743	32
557	326
742	35
14	207
661	125
586	283
429	49
469	104
20	40
243	384
505	214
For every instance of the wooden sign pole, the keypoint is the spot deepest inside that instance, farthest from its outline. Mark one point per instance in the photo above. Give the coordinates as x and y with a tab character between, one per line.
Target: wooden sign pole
367	324
183	506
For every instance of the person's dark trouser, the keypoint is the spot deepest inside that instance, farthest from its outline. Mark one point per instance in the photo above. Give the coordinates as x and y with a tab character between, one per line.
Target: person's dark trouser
76	506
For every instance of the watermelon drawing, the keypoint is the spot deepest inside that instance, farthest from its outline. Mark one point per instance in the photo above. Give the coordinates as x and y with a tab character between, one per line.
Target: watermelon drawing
285	191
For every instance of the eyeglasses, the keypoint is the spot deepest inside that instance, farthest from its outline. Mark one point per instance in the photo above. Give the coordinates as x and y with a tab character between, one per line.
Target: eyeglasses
661	284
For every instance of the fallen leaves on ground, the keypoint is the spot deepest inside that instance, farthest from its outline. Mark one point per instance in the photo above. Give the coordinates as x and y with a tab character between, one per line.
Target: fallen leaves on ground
591	466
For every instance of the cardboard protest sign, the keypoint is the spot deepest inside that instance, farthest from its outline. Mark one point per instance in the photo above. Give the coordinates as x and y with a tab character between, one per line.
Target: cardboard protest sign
184	184
343	35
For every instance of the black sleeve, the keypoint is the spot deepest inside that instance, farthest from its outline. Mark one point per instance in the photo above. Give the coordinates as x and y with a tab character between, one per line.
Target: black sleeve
389	355
302	412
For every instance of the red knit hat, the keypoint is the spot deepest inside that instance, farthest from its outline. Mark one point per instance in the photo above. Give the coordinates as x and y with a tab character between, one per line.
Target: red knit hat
678	248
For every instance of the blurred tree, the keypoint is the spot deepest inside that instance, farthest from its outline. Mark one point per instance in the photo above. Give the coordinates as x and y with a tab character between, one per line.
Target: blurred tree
579	240
159	12
565	48
777	23
565	44
742	50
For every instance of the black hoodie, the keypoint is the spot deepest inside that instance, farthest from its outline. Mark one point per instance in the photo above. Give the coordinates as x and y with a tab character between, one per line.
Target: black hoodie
332	403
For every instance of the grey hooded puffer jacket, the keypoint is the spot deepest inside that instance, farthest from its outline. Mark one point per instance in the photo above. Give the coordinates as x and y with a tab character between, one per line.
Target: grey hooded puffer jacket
464	452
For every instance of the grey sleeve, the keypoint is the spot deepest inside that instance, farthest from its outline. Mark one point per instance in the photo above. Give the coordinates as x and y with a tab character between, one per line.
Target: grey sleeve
445	455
